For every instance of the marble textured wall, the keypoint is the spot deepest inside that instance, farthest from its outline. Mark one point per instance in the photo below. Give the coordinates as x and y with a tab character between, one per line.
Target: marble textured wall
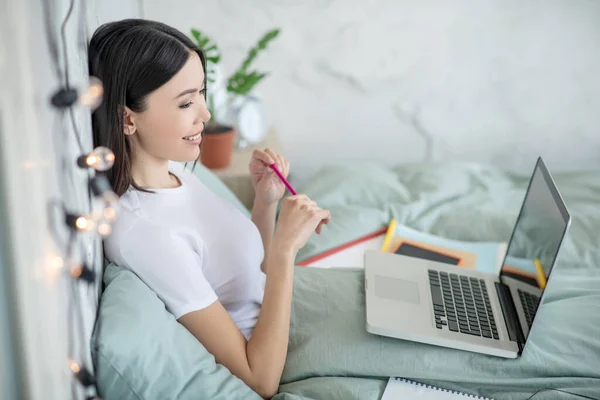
398	81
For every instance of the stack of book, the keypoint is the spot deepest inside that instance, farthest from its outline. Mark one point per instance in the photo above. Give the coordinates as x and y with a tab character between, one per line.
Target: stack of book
402	240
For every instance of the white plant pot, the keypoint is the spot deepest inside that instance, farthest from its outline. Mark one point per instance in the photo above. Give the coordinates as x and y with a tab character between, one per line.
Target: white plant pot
247	115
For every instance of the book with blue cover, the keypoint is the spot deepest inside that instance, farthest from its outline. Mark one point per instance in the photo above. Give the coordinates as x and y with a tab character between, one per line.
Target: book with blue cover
483	256
400	239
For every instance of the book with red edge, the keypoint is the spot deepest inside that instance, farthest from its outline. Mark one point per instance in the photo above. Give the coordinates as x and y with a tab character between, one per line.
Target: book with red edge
349	254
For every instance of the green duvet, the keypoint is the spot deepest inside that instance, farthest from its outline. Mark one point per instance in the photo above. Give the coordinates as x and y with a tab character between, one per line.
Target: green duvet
141	352
331	356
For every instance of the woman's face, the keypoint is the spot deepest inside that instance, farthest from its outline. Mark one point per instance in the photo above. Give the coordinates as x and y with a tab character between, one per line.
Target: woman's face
170	127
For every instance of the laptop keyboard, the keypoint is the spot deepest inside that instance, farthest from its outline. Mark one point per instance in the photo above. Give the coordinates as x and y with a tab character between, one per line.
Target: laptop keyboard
530	304
461	304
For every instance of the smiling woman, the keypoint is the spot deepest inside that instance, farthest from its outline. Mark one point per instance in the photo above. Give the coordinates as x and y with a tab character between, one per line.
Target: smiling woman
227	278
161	70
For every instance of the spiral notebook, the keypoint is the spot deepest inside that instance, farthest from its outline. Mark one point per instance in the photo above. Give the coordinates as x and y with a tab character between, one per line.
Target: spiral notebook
400	388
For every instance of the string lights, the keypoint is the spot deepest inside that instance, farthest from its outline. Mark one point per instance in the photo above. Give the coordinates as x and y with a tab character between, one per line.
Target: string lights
103	204
90	97
84	273
101	189
98	160
101	159
83	375
79	223
104	229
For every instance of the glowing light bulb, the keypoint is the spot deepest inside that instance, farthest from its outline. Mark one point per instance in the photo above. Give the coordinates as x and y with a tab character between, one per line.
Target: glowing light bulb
92	96
82	374
104	228
101	159
92	160
110	213
84	273
56	262
74	366
76	271
53	268
84	223
101	188
79	222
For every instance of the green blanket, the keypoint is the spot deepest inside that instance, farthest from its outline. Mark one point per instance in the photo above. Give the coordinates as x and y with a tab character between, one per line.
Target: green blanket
331	356
455	200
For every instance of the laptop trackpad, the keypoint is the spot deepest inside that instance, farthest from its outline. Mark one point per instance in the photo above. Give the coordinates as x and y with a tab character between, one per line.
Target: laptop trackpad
396	289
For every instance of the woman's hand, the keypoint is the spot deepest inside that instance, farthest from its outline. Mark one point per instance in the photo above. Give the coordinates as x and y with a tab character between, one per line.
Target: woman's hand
298	218
268	188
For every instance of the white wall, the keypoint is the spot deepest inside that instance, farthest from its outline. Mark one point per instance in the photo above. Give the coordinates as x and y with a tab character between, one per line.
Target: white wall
498	81
37	166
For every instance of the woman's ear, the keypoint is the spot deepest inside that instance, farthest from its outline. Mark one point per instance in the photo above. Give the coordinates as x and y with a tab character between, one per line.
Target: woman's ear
129	127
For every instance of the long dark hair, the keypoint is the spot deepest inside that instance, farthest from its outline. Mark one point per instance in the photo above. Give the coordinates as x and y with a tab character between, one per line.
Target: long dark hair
132	58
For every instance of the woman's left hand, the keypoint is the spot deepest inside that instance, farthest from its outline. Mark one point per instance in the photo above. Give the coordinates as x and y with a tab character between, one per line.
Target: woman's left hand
268	188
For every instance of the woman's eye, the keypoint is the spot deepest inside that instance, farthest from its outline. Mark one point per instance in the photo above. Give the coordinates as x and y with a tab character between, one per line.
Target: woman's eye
203	92
186	105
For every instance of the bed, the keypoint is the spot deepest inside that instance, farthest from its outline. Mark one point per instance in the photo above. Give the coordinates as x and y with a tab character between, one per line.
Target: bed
331	356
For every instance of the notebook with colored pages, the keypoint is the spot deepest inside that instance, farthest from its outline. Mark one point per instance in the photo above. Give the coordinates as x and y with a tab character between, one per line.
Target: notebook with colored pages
400	389
483	256
400	239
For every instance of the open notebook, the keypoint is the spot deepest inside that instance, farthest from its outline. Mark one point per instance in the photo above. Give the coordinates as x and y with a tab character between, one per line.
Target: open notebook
400	388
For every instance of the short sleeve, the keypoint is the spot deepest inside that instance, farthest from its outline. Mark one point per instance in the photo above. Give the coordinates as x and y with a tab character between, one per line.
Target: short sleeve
170	265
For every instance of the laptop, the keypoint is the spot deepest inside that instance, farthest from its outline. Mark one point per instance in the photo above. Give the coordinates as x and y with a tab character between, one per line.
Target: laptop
442	304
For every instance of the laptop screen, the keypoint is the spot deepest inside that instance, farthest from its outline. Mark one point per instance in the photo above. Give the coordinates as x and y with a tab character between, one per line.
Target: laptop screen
538	233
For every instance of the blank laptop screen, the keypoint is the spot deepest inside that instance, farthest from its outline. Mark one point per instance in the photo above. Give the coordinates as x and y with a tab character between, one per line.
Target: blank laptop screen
538	232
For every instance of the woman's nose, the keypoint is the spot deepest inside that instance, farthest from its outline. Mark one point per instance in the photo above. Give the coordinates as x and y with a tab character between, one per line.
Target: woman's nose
204	114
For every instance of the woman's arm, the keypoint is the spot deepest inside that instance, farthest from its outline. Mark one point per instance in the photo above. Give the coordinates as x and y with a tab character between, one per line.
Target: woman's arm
259	362
263	216
268	190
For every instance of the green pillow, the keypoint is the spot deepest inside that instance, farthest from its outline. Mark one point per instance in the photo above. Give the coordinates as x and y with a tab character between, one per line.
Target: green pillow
140	351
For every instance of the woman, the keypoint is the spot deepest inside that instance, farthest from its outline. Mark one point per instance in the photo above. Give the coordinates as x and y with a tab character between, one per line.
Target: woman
226	278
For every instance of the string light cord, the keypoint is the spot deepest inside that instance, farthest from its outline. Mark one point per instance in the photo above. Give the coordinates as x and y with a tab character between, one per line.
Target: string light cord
63	27
51	206
48	10
75	130
79	317
80	272
66	96
70	311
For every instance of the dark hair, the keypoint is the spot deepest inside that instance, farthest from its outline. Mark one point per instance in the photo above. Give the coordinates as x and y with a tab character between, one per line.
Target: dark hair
132	58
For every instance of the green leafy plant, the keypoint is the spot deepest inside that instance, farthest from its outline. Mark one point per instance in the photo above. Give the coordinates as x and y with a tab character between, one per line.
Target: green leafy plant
213	56
243	80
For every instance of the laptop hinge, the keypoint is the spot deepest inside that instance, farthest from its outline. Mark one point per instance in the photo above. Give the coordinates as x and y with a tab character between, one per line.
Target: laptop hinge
515	333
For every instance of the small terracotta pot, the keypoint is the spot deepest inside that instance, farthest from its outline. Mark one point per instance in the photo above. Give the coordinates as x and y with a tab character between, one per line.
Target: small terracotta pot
217	146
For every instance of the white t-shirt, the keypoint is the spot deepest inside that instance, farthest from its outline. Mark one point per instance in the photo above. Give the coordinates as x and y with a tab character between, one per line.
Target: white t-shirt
191	247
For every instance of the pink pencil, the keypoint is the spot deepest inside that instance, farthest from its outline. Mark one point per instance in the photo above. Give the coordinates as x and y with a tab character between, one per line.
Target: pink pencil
285	182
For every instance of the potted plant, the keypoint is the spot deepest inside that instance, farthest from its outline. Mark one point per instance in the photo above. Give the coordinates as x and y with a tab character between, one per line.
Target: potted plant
226	97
